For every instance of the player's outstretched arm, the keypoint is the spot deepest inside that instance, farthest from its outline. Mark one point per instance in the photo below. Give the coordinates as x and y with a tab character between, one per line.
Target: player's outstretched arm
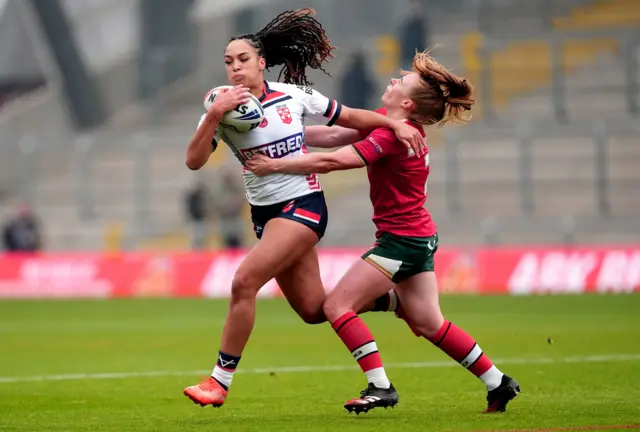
200	147
368	120
330	137
314	163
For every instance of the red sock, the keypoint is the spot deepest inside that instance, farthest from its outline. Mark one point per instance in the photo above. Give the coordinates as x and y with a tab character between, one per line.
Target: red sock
359	340
458	345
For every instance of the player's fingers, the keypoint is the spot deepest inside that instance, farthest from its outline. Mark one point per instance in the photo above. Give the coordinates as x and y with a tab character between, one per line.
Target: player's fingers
241	89
242	96
408	144
419	144
417	150
234	93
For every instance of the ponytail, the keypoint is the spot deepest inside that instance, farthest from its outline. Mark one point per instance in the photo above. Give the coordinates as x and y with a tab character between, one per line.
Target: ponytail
295	40
441	97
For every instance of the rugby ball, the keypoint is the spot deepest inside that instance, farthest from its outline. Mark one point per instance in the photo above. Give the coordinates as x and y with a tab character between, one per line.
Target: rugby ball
243	118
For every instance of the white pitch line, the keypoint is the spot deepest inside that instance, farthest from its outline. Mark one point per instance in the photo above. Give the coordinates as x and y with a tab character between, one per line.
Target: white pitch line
605	358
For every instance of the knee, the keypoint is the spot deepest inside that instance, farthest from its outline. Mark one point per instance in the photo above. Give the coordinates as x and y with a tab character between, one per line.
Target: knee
427	325
312	315
243	287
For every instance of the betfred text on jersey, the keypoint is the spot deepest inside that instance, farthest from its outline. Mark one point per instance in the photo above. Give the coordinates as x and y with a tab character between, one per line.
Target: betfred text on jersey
277	149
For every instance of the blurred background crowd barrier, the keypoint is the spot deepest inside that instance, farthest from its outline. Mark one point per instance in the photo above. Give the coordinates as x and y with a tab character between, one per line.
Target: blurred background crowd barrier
99	98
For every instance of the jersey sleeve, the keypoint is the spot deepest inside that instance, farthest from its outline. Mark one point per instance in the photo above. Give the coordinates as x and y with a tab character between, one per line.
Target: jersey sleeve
216	136
318	107
379	143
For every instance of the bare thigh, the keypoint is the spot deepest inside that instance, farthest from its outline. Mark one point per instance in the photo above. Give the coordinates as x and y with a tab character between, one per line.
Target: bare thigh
302	286
283	243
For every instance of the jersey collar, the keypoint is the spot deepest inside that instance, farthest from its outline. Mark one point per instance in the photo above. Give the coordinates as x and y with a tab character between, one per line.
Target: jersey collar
265	91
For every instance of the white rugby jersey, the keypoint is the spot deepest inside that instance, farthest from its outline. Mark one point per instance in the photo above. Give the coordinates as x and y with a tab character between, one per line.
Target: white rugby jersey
281	134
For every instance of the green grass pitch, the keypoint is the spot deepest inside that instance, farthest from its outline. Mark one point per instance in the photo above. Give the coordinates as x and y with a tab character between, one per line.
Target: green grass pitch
296	377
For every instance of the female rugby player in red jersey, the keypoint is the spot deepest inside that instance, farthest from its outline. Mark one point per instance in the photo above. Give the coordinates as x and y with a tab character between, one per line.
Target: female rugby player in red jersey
288	210
406	240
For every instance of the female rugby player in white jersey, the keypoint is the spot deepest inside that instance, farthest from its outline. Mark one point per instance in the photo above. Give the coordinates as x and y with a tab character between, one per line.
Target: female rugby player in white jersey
288	211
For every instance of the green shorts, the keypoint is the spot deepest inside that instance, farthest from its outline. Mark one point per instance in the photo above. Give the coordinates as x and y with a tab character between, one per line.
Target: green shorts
401	257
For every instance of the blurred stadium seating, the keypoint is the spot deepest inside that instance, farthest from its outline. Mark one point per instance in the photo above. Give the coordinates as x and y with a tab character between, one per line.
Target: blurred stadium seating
551	156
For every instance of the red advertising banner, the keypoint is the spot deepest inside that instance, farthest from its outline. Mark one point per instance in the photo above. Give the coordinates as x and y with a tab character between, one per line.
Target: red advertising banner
517	271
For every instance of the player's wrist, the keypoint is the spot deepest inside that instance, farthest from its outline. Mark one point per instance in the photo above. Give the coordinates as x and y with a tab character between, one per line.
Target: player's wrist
276	166
396	125
214	116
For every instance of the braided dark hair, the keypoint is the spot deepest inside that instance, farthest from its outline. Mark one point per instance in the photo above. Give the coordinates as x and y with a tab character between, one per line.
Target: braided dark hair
295	40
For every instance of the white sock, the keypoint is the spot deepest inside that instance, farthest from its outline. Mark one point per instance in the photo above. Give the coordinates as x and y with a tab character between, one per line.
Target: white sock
378	377
492	378
393	301
223	376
